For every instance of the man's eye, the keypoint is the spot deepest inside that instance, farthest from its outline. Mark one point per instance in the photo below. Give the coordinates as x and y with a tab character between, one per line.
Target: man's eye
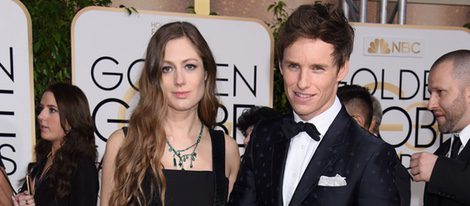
318	69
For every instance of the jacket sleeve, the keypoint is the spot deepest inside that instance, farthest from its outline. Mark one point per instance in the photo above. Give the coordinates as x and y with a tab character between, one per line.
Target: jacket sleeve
377	185
450	178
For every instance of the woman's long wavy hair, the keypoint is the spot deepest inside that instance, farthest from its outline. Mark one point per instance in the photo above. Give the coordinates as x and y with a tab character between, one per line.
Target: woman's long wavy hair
144	144
78	142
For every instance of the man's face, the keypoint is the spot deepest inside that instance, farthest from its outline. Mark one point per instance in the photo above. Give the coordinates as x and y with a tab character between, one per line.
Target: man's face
310	76
448	100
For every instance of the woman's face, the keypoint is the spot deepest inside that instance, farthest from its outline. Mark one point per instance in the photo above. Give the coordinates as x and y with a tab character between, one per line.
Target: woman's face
49	119
183	75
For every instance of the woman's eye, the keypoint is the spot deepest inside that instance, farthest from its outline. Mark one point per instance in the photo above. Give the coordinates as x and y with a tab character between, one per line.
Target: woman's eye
167	69
190	66
52	110
293	66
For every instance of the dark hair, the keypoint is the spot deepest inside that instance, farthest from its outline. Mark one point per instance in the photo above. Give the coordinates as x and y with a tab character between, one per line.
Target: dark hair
318	21
251	116
79	139
461	64
377	113
146	133
358	98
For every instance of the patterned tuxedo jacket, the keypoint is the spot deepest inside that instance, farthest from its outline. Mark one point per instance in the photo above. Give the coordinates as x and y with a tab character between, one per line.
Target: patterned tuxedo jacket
367	162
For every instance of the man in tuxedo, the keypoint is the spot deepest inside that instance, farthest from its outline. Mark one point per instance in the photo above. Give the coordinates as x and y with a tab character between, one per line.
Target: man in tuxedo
447	171
317	155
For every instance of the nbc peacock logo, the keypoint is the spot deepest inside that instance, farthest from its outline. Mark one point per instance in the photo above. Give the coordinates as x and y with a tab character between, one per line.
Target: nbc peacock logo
399	47
378	46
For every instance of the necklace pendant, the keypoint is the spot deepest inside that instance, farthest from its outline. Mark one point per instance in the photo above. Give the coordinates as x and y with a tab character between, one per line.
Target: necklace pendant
183	157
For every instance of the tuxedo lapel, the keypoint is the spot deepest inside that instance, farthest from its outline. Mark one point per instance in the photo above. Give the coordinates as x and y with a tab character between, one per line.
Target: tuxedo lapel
465	154
280	149
326	154
279	163
444	148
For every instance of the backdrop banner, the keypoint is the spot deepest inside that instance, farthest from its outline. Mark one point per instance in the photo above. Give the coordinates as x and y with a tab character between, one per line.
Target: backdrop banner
17	132
393	62
108	47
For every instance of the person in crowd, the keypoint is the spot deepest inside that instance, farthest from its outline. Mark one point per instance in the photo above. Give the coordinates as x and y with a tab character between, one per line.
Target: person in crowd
376	116
65	173
170	154
248	119
6	190
317	155
358	103
447	171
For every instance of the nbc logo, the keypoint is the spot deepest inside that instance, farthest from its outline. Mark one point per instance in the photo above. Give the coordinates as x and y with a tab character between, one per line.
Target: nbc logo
377	44
374	46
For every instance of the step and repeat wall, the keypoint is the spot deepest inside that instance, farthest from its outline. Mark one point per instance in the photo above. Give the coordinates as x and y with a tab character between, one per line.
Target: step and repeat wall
17	133
108	49
394	62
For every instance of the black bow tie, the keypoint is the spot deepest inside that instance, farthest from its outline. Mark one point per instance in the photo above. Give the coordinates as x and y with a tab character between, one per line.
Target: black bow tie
292	128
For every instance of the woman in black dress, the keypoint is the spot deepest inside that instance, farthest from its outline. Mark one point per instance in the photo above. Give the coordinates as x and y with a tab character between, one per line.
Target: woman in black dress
170	154
65	173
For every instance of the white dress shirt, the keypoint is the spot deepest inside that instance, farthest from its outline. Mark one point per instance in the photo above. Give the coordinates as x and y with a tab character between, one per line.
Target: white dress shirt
464	136
302	148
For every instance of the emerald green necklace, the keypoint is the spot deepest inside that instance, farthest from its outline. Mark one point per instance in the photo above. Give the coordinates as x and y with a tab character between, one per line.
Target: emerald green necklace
183	157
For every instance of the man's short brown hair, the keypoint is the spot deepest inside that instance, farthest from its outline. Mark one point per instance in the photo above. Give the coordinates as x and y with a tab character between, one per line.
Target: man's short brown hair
318	21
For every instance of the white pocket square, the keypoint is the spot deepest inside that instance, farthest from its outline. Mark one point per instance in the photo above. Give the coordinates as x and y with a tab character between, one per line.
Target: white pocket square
336	181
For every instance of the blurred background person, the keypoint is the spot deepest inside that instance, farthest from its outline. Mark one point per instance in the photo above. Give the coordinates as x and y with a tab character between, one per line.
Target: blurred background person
377	114
6	190
248	119
65	173
154	161
358	103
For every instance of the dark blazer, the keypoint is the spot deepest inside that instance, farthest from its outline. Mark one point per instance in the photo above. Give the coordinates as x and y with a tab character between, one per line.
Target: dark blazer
449	184
367	162
84	184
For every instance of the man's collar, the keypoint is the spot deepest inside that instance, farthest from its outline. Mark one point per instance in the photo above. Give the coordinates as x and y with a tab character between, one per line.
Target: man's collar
323	120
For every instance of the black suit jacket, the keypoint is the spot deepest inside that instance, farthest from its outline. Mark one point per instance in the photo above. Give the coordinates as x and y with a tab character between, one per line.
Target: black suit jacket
367	162
449	184
84	186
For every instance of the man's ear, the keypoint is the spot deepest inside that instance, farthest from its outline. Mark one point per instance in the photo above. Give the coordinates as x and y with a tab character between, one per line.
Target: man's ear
343	71
372	124
467	94
360	120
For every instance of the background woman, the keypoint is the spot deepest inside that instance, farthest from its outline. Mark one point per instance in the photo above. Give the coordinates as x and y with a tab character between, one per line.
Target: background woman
170	154
65	173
